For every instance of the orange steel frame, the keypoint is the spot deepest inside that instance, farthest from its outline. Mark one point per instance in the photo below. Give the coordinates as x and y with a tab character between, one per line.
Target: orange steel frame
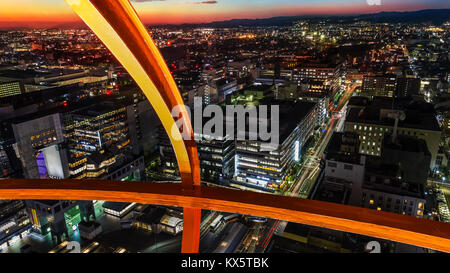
380	224
117	25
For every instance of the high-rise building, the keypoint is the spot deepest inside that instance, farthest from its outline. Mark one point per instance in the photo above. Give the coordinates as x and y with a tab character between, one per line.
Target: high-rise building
99	143
257	165
39	145
390	85
321	100
407	86
328	74
216	155
379	85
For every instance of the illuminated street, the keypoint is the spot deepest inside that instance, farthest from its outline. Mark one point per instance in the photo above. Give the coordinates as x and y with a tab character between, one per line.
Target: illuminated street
310	169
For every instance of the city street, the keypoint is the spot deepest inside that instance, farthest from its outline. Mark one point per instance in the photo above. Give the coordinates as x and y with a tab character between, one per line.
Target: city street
310	169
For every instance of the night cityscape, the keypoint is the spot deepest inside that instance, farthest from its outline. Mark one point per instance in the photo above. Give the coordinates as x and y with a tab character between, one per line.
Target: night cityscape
357	102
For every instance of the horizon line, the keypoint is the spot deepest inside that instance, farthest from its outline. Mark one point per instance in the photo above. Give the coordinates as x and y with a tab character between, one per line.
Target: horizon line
80	23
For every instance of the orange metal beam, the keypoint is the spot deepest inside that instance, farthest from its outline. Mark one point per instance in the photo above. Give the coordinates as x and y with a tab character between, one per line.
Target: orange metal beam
385	225
118	26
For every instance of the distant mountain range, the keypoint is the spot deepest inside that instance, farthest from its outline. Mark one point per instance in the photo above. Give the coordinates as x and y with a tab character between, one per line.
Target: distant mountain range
429	16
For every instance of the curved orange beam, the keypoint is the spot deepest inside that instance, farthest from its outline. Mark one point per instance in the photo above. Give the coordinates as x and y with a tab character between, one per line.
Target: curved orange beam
384	225
118	26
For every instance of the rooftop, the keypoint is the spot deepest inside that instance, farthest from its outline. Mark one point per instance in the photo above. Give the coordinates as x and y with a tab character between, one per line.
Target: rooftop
116	206
385	177
415	118
152	215
21	74
343	147
291	114
406	143
89	224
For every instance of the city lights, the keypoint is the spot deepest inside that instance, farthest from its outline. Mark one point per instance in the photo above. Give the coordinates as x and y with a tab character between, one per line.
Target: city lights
225	127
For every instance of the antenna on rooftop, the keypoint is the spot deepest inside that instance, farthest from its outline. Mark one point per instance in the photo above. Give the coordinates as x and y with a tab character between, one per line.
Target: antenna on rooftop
397	115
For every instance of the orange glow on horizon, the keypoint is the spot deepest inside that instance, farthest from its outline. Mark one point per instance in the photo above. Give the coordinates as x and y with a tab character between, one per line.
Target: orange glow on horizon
43	14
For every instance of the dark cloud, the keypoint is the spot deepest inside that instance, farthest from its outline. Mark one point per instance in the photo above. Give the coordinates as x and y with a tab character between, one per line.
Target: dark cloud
207	2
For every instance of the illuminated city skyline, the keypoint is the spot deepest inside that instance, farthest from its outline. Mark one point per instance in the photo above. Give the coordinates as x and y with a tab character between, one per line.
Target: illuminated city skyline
225	126
50	13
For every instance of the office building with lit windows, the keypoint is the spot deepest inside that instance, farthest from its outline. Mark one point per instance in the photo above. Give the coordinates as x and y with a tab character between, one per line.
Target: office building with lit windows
14	222
322	102
216	155
255	165
385	189
355	179
379	85
326	73
92	142
407	86
99	141
314	86
372	121
92	124
308	92
389	85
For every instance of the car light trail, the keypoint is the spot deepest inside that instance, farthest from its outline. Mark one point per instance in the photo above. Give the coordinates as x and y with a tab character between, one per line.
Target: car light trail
270	233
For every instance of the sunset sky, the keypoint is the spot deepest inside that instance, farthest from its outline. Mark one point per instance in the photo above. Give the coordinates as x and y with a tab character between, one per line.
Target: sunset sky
45	13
